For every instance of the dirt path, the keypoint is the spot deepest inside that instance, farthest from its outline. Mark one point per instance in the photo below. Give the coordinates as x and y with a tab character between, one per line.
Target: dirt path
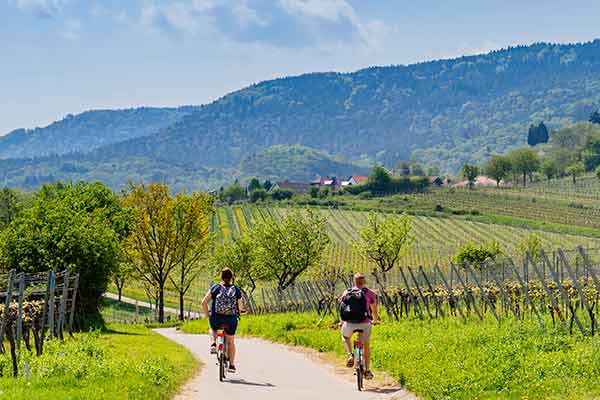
269	371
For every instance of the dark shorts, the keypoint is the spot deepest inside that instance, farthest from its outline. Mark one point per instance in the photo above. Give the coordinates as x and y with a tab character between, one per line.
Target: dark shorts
231	321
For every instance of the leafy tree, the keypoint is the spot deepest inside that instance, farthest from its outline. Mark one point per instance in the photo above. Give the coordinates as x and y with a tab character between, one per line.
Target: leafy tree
498	168
314	192
253	185
403	168
537	134
470	173
168	233
258	195
533	245
474	255
287	248
575	170
386	240
525	162
267	185
379	180
595	117
233	193
123	272
192	216
549	168
9	207
591	153
598	172
79	227
433	170
239	254
416	169
282	194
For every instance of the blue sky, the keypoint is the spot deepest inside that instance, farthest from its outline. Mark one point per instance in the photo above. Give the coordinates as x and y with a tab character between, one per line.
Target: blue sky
67	56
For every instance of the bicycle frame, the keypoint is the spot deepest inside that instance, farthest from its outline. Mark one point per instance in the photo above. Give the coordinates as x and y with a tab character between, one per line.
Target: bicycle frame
359	362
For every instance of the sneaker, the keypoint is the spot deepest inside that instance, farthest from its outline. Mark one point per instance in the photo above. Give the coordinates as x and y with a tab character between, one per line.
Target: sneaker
368	375
350	361
231	369
213	348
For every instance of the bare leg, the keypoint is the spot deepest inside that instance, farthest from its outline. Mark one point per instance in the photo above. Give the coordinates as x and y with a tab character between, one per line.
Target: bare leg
231	349
347	344
213	335
367	355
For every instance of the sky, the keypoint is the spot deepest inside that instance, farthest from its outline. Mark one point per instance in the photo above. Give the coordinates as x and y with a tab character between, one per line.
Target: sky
67	56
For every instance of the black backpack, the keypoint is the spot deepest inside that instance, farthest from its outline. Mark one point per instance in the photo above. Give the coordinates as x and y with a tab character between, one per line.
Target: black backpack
354	307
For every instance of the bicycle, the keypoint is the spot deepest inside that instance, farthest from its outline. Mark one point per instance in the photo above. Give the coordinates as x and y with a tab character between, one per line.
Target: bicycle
222	357
359	361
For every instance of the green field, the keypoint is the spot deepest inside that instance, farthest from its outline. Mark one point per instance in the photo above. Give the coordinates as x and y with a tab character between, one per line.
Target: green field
437	239
125	362
446	359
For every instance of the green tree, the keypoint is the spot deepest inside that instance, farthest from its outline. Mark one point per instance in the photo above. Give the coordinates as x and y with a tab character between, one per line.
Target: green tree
416	169
591	153
433	170
168	233
79	227
9	207
267	185
285	249
385	240
239	254
533	245
470	173
403	168
537	134
258	195
524	161
253	185
379	180
595	117
233	193
282	194
192	217
122	274
498	167
549	168
470	254
575	170
598	172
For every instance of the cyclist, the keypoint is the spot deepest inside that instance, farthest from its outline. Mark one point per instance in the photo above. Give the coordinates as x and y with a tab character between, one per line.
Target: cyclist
358	310
225	311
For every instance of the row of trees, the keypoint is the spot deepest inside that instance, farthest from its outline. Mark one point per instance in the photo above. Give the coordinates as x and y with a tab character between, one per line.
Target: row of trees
521	162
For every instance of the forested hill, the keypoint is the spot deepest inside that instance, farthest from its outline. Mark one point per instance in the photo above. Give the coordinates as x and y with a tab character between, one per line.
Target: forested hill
441	112
88	131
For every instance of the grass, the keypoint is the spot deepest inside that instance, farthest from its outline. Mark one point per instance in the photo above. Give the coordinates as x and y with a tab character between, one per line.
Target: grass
125	362
447	359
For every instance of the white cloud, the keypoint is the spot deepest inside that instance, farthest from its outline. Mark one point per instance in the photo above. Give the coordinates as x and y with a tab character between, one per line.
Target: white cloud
247	16
173	18
72	30
45	8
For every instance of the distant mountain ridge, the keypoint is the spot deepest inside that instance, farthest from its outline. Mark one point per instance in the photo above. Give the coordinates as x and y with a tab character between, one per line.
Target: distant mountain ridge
443	113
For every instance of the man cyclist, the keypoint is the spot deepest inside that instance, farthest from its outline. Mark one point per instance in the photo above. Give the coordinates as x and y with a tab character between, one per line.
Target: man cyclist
358	310
224	311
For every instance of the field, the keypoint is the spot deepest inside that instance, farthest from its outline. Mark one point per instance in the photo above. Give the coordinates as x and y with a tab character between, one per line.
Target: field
447	359
125	362
436	240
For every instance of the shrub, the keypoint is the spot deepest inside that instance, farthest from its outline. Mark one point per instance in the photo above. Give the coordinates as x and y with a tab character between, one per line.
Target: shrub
470	254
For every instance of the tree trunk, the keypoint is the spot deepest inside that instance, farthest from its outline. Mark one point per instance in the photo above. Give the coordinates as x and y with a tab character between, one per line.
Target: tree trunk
524	179
120	291
574	180
181	301
161	302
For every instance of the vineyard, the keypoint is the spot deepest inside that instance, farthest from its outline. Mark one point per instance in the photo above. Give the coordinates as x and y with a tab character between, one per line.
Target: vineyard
436	241
562	291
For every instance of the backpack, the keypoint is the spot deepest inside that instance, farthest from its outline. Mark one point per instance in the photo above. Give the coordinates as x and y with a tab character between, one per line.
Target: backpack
226	300
354	307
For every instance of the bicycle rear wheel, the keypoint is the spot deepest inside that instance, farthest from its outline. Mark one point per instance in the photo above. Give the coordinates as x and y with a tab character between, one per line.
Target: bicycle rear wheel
221	367
359	378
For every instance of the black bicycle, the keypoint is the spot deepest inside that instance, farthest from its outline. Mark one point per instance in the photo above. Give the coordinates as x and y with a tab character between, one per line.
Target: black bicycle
222	356
359	361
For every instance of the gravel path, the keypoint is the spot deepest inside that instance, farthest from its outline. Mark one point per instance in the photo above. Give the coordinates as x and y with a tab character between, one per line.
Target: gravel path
269	371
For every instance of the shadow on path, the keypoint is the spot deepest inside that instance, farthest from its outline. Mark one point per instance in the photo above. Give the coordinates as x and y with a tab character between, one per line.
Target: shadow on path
245	382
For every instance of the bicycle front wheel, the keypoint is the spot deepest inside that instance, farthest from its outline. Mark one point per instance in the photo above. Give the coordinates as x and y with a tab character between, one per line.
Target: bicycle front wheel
359	378
221	367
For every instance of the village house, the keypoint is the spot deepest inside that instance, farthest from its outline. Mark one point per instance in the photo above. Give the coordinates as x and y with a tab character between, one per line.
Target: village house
298	188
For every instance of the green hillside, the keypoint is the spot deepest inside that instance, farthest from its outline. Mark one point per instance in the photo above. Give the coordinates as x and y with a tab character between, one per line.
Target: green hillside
442	113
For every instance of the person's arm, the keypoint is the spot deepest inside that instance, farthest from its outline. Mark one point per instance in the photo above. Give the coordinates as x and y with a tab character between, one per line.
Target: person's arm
205	302
240	302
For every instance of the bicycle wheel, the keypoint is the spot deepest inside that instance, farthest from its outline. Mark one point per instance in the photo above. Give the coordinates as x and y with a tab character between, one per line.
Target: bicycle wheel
359	377
221	367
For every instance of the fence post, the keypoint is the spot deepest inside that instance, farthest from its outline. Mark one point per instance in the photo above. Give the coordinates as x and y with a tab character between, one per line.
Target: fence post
20	312
483	293
73	301
52	304
438	306
420	292
9	290
527	298
565	262
63	304
466	291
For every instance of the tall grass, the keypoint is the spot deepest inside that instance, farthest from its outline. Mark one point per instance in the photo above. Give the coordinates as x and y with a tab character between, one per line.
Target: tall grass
446	359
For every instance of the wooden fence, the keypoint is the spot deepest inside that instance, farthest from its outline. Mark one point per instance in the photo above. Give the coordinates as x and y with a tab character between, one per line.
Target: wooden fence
561	288
41	305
